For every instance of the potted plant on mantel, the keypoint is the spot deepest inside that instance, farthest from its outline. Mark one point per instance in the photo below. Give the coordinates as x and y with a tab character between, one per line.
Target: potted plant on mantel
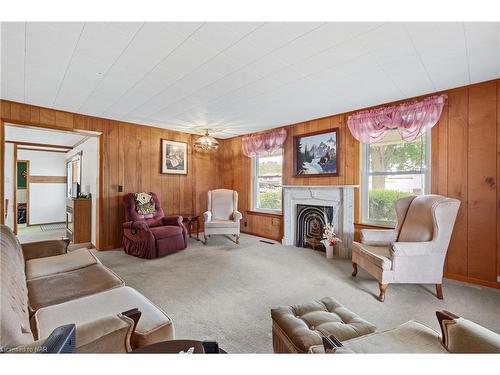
330	239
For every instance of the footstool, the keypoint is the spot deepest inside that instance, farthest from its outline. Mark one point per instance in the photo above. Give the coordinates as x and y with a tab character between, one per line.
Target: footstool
296	328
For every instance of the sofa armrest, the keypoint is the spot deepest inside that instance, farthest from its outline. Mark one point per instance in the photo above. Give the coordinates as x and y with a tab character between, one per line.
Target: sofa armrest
463	336
378	237
237	216
412	249
207	216
137	225
110	334
172	220
42	249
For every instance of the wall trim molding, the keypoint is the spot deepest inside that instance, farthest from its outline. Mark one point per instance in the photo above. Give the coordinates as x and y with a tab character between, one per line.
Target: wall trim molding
47	179
472	280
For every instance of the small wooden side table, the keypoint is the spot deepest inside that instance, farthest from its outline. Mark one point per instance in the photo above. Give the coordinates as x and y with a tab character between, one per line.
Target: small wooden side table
190	220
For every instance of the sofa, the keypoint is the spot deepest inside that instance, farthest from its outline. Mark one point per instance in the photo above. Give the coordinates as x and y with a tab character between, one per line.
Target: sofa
43	286
313	326
458	335
151	235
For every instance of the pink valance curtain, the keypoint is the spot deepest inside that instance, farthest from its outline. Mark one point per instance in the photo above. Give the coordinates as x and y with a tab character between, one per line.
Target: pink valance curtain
411	119
263	144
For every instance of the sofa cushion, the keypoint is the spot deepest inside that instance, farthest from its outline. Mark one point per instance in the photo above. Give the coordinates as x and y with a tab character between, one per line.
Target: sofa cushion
166	231
222	224
70	261
296	328
62	287
378	255
14	323
153	326
410	337
154	222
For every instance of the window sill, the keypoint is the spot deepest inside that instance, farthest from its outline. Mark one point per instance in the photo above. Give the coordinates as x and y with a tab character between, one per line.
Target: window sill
265	213
374	225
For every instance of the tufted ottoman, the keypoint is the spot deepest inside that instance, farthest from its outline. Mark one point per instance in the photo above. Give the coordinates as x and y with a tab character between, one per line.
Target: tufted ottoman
296	328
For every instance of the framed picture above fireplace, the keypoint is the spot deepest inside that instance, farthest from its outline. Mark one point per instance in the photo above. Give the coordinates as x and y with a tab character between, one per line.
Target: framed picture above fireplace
316	154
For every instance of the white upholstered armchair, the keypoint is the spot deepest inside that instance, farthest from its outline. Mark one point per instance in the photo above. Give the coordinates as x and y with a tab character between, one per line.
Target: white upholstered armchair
413	252
222	216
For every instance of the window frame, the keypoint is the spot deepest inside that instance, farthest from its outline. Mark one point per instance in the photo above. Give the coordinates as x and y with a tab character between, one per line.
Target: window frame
255	187
365	176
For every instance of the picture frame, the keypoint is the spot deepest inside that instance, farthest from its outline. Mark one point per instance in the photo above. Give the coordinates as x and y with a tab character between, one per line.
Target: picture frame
316	154
174	157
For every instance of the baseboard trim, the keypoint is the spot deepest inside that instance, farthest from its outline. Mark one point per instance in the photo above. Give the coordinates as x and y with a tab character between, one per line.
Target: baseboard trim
109	247
38	224
472	280
260	235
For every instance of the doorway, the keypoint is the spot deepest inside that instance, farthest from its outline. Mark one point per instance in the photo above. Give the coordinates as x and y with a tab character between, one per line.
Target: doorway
46	172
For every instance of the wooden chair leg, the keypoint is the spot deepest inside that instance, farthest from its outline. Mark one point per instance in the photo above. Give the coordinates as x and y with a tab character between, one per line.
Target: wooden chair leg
439	291
382	288
355	269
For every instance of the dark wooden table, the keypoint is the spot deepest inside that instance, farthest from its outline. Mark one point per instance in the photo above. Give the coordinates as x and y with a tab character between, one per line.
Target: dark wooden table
173	347
190	220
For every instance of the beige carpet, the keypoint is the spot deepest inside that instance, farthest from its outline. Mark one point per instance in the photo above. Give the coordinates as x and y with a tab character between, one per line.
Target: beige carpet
224	292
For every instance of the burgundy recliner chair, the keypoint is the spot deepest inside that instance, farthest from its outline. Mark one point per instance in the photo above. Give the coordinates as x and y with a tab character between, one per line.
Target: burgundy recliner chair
154	235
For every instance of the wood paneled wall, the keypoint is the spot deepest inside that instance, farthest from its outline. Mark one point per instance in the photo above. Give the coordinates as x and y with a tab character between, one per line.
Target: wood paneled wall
129	156
465	165
465	155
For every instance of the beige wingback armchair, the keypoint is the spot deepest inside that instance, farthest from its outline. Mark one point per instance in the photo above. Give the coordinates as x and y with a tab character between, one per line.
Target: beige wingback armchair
413	252
222	215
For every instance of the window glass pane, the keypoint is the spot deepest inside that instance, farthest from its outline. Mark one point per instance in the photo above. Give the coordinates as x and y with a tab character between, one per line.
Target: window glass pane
270	165
394	155
393	169
268	180
269	194
383	191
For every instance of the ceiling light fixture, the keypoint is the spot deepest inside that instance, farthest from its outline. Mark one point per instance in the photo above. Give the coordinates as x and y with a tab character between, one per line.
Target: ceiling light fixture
206	142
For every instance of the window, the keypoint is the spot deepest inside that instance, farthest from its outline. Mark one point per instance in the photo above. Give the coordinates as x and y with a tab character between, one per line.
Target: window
267	174
392	169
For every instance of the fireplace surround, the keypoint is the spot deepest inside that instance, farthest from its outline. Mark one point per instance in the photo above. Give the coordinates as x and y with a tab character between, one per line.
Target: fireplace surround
339	197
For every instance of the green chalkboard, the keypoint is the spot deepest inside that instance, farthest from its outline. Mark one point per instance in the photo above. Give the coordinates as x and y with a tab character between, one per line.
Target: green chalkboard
22	174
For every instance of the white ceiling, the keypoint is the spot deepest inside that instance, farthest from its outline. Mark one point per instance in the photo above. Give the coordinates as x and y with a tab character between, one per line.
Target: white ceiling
23	134
236	78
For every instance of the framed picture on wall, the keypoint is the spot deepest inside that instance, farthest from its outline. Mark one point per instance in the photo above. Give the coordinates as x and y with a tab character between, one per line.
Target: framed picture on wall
316	154
174	157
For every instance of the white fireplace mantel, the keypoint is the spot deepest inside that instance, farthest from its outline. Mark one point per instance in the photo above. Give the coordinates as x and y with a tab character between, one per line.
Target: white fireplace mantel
340	197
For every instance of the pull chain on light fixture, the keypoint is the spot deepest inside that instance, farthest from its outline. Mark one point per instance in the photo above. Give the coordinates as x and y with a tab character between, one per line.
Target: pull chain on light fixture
206	142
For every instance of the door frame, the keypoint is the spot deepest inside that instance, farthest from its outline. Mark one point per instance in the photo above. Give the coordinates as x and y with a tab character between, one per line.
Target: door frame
100	149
